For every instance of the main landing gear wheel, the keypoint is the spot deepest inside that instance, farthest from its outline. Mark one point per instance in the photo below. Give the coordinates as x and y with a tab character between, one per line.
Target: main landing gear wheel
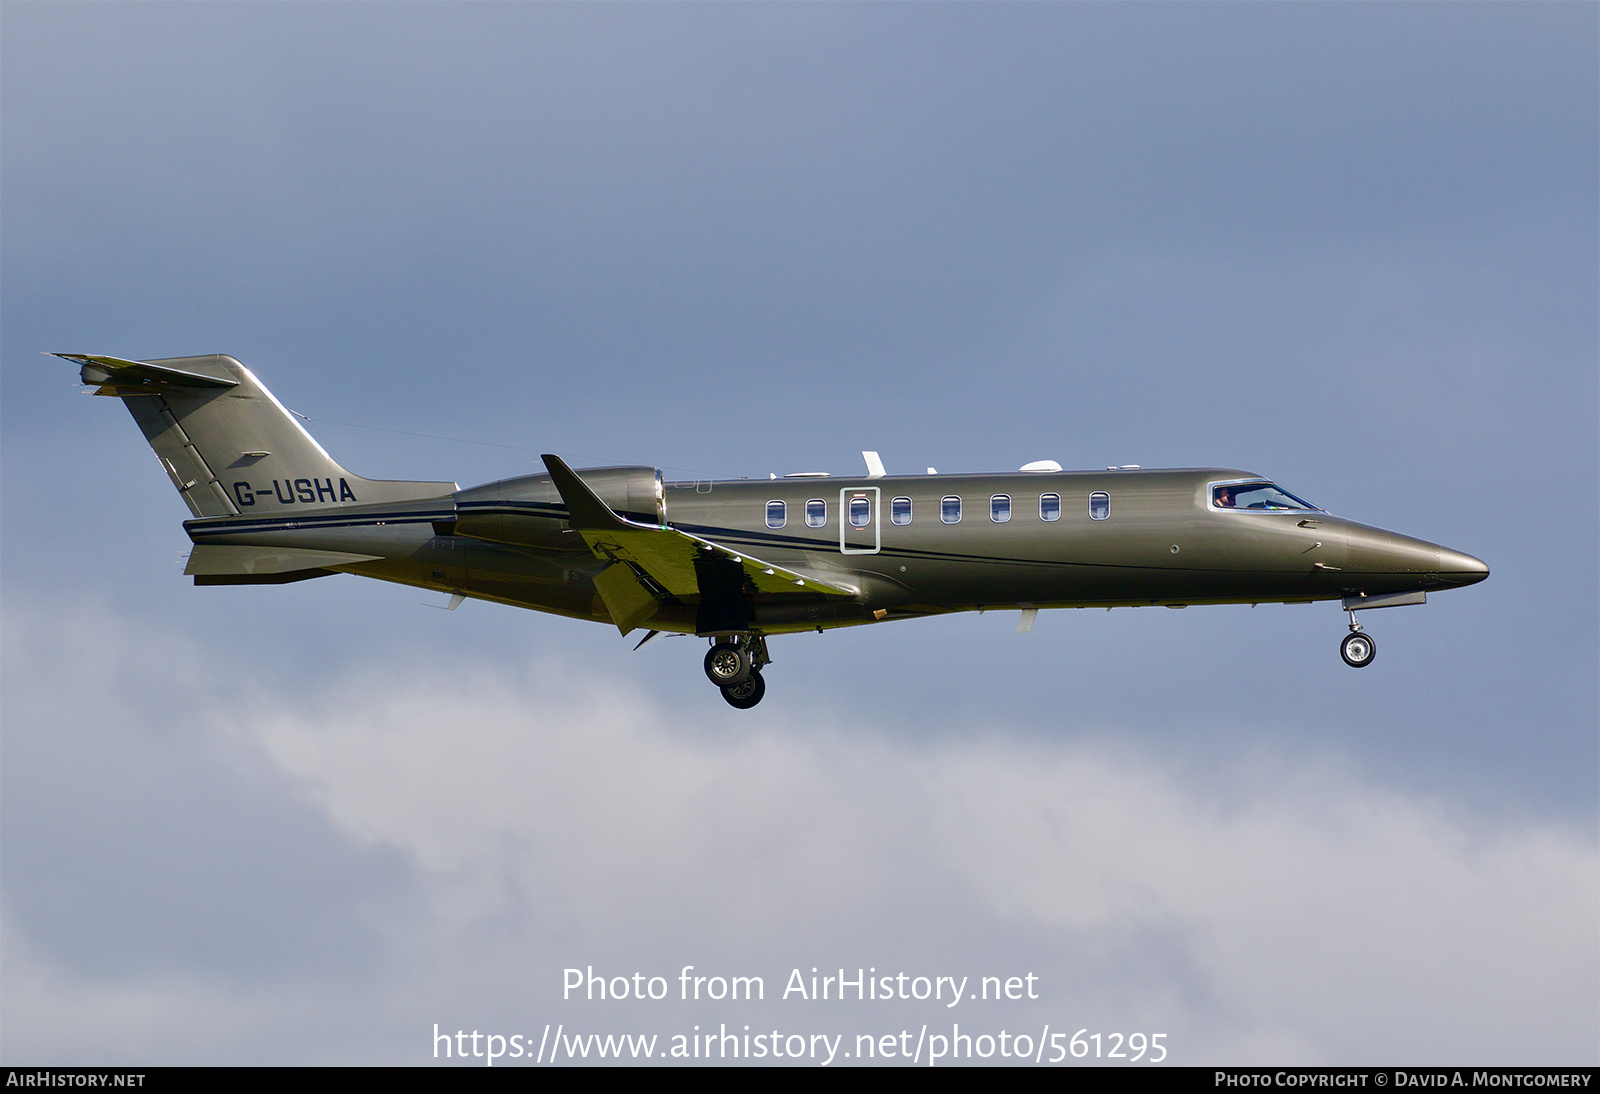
746	695
1358	649
727	665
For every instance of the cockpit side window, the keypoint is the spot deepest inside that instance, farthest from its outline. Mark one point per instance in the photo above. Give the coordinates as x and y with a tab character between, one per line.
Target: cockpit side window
1259	496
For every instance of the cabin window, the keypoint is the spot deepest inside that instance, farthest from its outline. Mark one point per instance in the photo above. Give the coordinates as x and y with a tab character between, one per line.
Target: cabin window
950	509
1049	506
1000	508
777	514
816	513
1099	505
900	510
860	512
1257	495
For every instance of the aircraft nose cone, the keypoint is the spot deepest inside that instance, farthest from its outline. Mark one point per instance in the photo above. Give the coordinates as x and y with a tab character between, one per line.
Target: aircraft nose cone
1461	569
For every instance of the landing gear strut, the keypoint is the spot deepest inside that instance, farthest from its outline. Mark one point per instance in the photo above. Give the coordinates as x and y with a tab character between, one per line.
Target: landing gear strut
1358	649
735	667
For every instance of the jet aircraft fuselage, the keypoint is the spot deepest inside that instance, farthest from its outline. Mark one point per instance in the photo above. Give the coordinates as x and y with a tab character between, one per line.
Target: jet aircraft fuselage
963	542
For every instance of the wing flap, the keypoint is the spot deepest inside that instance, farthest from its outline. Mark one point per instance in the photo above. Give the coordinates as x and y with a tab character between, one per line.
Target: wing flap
626	598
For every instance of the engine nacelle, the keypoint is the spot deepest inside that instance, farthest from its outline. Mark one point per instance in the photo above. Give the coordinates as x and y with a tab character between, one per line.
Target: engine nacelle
637	493
528	511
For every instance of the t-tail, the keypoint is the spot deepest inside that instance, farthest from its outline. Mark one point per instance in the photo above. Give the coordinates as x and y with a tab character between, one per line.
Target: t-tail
228	445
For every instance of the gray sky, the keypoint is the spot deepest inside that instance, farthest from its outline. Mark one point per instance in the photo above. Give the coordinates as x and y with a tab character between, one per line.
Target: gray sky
1352	247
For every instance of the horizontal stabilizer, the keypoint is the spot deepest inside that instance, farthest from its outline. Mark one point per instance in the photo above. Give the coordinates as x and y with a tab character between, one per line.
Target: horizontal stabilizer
211	564
673	559
285	578
120	373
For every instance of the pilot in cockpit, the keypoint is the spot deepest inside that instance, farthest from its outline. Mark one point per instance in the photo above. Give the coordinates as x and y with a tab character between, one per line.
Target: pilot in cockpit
1224	497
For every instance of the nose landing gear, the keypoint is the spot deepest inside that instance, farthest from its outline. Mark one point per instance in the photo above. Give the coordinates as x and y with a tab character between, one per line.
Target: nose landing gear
1358	649
735	667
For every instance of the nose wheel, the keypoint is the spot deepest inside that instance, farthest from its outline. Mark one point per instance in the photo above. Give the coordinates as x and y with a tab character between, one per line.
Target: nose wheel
735	668
1358	649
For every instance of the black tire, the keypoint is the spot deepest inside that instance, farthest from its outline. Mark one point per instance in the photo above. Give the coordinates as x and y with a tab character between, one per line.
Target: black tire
1358	649
727	665
746	695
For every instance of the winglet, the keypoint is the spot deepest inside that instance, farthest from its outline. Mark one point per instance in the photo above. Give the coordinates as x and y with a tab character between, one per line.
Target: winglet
585	510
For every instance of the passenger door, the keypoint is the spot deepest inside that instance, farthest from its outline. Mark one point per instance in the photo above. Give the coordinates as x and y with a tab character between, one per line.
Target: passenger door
860	517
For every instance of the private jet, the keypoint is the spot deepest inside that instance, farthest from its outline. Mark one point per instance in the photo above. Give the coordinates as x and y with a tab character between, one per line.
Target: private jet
736	562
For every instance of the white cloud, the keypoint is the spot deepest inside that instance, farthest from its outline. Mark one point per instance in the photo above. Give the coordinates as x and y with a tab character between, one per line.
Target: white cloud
1301	914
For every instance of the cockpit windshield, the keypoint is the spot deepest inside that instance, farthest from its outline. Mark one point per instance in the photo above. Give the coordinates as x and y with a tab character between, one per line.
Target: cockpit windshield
1256	495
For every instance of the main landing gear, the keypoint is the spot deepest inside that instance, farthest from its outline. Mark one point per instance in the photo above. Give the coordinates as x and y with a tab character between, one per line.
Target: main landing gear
735	667
1358	649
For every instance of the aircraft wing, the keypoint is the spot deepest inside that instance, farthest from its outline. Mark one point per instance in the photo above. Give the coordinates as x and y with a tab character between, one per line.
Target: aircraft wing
678	562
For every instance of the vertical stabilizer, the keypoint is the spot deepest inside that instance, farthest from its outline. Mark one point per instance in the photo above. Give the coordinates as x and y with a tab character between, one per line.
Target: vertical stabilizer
227	444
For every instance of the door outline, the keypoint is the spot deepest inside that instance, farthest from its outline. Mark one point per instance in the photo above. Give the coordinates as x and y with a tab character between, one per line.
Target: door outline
845	527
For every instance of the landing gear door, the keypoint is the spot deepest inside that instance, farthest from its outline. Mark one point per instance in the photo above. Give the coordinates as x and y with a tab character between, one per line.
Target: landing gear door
860	522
